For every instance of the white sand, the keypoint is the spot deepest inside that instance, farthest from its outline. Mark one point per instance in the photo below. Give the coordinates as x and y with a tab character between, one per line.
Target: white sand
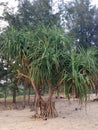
70	118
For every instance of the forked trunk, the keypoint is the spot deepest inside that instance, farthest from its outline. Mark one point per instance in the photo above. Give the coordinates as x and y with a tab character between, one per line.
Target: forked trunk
44	108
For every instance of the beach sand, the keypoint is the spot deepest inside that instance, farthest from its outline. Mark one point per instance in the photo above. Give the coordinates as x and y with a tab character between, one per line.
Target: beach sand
71	116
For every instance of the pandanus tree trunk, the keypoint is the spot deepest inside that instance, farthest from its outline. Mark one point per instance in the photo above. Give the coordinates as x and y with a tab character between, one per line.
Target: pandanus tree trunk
29	92
44	108
24	93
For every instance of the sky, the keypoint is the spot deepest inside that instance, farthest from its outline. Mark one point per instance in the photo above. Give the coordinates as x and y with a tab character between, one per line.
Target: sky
13	3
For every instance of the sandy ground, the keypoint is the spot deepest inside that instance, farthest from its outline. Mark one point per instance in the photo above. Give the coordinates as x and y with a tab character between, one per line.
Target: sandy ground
72	116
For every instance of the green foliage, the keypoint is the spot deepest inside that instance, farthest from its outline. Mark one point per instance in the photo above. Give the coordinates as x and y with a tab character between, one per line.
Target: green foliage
31	14
47	56
35	45
82	67
81	19
48	48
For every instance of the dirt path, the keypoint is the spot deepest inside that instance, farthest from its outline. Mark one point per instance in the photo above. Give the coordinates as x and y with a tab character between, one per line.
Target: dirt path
71	117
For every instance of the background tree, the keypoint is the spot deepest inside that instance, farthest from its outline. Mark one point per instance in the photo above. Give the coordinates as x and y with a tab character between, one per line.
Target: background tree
32	13
14	51
81	19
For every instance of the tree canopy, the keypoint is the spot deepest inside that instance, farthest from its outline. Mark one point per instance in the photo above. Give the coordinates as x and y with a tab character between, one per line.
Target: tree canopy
32	13
81	21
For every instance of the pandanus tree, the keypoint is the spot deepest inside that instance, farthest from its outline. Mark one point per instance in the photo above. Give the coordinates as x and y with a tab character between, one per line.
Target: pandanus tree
54	62
48	59
45	68
81	70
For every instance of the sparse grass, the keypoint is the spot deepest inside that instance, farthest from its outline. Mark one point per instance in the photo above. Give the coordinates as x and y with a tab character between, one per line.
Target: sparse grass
19	98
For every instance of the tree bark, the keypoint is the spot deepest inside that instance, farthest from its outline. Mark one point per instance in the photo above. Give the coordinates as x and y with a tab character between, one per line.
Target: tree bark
43	109
14	95
29	95
5	96
24	93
